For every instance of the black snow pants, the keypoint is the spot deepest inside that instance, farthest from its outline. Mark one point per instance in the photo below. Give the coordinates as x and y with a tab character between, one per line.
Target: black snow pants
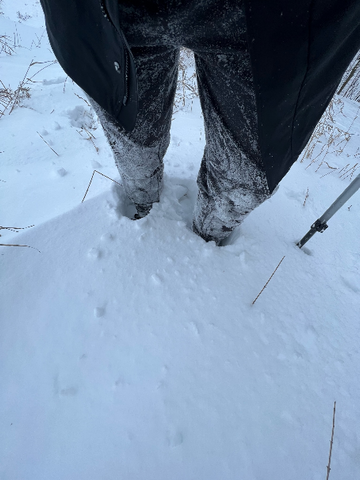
231	179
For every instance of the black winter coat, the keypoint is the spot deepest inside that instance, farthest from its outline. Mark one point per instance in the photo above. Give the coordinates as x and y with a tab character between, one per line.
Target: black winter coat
299	52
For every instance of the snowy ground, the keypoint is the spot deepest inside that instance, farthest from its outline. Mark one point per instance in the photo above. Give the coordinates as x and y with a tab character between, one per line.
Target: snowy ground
131	350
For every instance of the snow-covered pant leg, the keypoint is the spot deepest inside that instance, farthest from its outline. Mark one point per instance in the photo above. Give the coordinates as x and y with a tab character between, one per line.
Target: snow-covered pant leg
231	179
139	154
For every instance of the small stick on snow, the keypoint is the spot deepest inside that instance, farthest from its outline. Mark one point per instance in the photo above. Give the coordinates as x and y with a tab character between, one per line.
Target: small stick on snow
331	443
47	144
91	179
266	284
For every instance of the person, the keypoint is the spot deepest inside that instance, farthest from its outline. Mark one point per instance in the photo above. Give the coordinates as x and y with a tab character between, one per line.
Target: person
266	71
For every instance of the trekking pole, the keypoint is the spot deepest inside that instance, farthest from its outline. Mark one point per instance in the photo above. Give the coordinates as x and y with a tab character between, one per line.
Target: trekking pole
320	224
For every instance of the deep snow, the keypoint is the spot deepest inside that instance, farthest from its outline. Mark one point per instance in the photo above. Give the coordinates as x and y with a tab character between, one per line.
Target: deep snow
131	350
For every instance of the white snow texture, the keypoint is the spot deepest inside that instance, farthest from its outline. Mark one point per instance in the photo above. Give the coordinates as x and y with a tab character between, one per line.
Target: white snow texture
132	350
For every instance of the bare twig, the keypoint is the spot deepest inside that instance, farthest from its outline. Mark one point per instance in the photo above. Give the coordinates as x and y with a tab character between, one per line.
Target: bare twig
92	176
82	98
91	138
331	443
47	63
92	141
266	284
15	229
89	133
42	138
16	245
306	196
65	84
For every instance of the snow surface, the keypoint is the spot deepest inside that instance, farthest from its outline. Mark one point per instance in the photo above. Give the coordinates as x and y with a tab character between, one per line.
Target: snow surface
131	350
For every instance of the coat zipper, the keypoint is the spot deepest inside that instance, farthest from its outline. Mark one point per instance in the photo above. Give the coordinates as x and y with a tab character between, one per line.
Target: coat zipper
104	11
126	96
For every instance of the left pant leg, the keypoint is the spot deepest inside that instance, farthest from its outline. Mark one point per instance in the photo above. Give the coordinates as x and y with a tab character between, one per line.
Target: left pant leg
139	153
231	180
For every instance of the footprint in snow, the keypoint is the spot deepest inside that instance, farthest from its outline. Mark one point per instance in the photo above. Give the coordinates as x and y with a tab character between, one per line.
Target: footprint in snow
107	237
174	438
54	81
156	279
62	172
99	312
69	391
94	254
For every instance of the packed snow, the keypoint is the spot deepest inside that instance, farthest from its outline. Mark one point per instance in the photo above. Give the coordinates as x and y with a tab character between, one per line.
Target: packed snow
133	349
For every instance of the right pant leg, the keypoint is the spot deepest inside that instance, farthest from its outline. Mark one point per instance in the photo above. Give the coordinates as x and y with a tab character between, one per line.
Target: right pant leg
139	154
231	180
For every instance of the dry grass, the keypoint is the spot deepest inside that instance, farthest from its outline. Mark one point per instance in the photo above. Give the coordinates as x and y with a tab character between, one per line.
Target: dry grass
10	99
329	139
5	45
22	17
186	86
89	137
350	84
